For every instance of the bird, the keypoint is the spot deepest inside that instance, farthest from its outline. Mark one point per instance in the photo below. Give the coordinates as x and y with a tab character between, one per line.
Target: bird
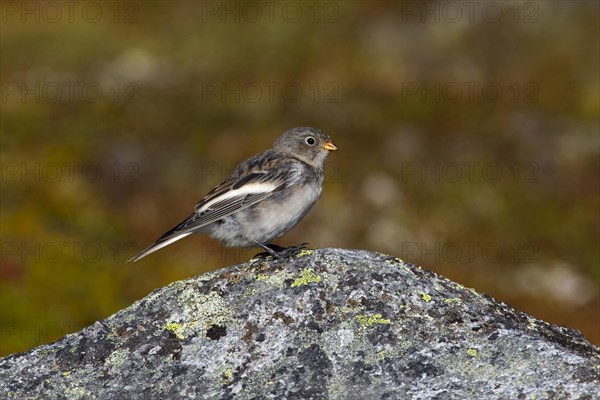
264	197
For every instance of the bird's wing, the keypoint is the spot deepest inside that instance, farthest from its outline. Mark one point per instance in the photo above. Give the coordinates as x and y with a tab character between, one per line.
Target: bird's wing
231	196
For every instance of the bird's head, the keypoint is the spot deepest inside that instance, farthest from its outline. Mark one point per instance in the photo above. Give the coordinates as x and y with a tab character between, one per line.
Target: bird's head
308	144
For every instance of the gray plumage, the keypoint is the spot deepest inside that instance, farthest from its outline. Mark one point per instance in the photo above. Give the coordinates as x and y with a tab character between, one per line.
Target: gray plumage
266	195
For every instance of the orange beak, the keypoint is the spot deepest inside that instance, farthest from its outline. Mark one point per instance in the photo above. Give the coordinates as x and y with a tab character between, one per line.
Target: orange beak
330	146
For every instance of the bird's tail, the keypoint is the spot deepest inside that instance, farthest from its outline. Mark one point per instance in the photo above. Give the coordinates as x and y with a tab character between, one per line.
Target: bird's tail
165	240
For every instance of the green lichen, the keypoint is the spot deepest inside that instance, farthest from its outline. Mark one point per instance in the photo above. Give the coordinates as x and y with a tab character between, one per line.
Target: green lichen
77	393
367	321
426	297
199	311
117	358
306	276
176	328
275	278
472	352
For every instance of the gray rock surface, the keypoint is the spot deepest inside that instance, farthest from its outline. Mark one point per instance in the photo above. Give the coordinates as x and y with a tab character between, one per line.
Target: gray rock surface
324	324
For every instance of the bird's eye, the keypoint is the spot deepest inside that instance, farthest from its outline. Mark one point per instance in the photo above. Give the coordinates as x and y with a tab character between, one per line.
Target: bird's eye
310	141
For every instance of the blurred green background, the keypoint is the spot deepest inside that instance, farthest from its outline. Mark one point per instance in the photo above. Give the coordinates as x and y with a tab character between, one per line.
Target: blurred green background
468	136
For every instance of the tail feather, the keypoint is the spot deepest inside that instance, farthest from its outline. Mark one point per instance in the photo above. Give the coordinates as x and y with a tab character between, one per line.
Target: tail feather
164	241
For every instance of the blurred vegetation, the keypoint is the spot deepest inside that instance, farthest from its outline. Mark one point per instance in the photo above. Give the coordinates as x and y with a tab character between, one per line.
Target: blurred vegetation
468	144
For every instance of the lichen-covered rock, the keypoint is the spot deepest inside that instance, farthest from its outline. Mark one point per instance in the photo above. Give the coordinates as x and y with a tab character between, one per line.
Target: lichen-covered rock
325	324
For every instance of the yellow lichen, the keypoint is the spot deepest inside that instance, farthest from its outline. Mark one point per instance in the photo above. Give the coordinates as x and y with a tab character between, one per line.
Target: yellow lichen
426	297
306	276
176	328
261	277
366	320
304	252
453	300
223	375
472	352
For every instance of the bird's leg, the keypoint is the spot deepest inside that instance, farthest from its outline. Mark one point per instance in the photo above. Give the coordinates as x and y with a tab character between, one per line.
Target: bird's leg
269	249
278	251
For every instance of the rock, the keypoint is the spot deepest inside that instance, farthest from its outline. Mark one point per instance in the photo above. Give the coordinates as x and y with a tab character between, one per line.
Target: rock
324	324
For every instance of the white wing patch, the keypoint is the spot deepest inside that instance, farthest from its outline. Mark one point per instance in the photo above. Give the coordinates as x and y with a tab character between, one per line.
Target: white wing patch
250	188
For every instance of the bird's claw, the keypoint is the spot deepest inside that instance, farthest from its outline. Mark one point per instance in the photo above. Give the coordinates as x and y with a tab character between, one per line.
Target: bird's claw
278	252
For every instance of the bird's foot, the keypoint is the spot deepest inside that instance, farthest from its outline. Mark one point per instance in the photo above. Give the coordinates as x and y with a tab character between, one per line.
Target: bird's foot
293	250
279	252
